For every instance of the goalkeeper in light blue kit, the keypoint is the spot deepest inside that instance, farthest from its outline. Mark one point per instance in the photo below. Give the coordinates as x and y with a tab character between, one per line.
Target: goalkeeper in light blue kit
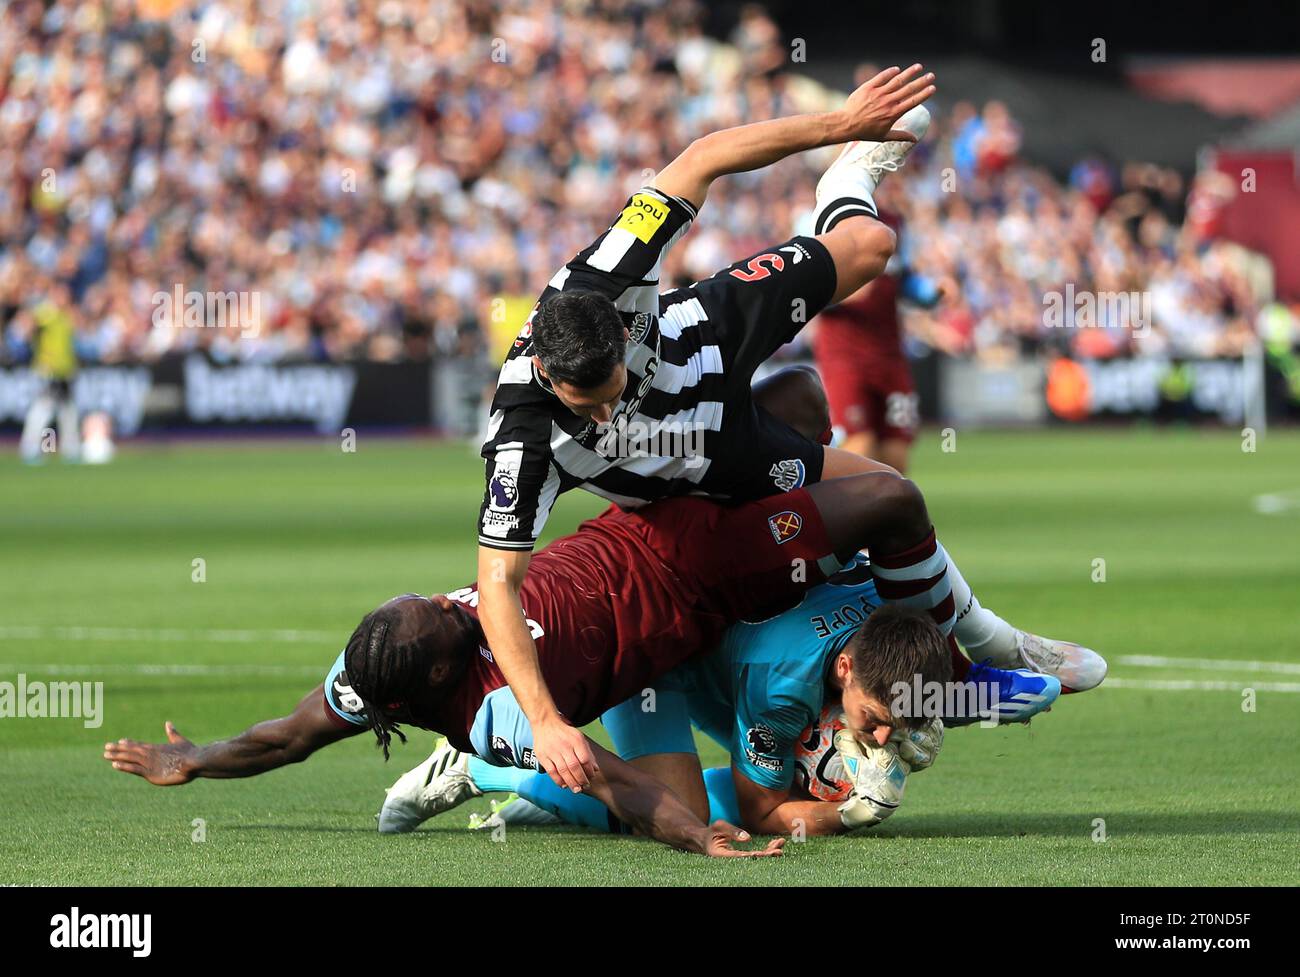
771	695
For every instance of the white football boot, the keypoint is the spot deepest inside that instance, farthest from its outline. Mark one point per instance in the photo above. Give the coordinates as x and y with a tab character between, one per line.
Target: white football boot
877	158
438	784
1077	668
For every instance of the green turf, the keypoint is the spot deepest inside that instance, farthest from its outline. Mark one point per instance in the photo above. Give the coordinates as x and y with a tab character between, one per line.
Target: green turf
302	536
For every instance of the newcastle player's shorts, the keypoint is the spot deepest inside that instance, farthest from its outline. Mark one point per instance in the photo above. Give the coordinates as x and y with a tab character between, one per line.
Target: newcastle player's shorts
755	307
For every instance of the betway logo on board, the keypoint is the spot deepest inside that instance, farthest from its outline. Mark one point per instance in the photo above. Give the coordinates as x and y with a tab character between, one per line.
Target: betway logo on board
320	393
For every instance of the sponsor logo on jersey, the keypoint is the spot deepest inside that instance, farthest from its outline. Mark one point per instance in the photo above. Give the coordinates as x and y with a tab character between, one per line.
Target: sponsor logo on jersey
643	216
789	474
498	523
640	326
785	525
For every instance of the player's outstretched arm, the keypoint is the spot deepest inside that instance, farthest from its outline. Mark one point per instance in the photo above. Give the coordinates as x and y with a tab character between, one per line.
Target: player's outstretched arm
651	807
259	748
770	812
869	113
561	750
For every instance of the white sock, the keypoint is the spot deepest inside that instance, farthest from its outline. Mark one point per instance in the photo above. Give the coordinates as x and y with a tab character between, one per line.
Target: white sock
846	192
981	632
39	415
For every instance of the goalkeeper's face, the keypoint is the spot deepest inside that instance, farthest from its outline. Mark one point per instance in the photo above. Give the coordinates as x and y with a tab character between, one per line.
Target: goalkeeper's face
869	719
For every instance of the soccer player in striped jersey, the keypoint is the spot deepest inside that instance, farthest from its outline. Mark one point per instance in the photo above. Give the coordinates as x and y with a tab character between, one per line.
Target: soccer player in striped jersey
636	396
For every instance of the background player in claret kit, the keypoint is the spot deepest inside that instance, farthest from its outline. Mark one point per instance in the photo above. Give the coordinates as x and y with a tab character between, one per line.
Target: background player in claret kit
858	346
604	355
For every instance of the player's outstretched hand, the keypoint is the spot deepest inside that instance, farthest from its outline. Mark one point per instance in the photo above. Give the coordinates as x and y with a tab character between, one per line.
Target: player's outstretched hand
164	764
722	836
563	752
877	104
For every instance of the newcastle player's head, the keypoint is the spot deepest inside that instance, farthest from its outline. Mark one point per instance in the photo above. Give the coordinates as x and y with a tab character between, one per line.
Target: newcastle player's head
579	341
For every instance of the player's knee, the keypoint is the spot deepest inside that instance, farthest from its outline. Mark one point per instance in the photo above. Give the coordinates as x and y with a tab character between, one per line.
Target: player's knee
814	407
908	503
862	247
796	395
876	246
897	501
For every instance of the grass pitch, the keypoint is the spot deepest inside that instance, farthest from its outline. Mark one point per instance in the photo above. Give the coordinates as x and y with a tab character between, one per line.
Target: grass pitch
298	540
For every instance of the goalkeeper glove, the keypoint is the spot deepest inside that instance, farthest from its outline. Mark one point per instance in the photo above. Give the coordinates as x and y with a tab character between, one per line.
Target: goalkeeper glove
919	747
878	775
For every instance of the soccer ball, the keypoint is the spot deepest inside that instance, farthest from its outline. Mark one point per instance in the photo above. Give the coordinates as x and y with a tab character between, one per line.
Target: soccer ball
818	767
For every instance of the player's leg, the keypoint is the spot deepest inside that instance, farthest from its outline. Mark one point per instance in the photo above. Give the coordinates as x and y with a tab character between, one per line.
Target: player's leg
978	628
438	784
39	415
896	417
69	427
781	545
860	247
797	397
652	731
501	734
851	498
539	790
863	443
721	786
894	452
773	455
845	220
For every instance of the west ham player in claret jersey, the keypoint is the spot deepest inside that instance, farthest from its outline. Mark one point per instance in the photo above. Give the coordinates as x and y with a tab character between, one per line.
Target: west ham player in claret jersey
636	395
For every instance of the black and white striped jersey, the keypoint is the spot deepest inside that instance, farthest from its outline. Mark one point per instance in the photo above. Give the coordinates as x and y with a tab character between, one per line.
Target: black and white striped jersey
537	448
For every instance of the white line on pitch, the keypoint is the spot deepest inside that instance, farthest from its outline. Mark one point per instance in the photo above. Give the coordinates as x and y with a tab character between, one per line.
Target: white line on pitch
77	633
1276	503
1192	685
119	668
1213	664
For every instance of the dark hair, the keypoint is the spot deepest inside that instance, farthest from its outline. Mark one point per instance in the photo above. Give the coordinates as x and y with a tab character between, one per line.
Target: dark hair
388	659
899	644
579	337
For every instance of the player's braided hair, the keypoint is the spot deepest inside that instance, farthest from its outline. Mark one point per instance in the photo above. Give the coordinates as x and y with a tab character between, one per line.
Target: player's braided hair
385	661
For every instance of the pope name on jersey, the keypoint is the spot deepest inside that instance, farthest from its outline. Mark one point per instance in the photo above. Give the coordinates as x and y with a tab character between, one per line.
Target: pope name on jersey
686	409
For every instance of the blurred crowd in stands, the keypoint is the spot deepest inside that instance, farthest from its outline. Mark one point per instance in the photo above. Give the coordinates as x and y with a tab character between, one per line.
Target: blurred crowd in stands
380	171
